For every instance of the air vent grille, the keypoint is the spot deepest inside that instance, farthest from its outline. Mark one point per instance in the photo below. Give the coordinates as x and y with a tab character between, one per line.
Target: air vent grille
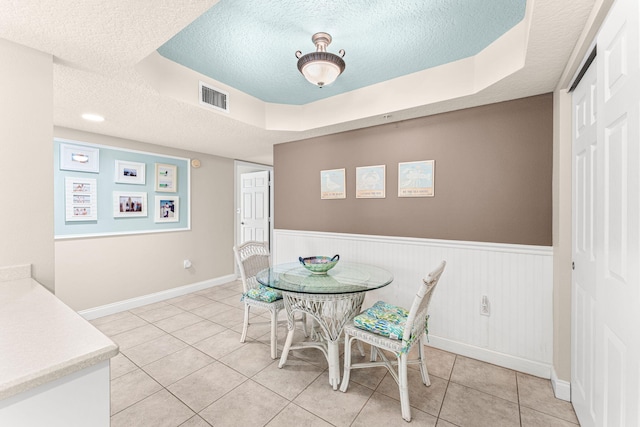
214	98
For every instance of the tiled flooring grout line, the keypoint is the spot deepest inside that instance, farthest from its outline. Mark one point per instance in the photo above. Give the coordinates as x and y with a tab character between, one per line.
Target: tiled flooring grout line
447	387
518	396
214	361
229	327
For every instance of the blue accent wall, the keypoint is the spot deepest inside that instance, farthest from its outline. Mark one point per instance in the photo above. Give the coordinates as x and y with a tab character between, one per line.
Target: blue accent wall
106	224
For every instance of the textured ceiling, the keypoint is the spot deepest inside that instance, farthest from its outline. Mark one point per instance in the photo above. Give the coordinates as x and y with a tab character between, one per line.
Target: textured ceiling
250	45
97	46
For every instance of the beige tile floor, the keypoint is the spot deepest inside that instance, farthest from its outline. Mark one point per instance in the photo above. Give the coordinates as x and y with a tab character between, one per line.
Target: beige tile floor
181	363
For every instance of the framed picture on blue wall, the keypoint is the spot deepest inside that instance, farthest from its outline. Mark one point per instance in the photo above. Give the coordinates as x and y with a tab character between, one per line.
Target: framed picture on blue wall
167	209
166	178
129	204
130	172
81	199
79	158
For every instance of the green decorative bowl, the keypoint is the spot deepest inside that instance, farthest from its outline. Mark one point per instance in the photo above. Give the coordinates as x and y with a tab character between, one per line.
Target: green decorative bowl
319	264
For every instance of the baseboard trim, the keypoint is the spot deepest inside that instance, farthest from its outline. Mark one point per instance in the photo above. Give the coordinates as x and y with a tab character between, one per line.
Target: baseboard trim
519	364
561	388
117	307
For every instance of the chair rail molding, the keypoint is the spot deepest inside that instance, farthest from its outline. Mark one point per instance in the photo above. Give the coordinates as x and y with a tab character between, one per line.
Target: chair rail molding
517	280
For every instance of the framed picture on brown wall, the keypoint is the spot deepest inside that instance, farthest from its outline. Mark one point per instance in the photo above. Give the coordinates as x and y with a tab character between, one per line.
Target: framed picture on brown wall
416	179
370	182
332	184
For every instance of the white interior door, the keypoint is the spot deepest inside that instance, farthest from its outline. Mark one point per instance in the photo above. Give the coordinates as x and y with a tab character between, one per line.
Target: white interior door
254	206
583	287
619	183
606	280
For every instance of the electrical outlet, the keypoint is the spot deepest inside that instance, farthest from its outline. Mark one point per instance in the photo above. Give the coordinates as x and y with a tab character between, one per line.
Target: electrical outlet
485	307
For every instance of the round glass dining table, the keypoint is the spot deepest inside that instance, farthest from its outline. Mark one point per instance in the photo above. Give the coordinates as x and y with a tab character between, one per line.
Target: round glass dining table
331	299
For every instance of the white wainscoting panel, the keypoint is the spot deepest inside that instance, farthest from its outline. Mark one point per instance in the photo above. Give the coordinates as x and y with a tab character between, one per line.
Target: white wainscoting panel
517	280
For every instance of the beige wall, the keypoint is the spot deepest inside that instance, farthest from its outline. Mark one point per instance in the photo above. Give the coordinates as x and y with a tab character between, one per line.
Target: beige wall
493	175
92	272
26	114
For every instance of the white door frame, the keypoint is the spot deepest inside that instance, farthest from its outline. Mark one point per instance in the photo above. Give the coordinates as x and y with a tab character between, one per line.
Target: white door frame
241	167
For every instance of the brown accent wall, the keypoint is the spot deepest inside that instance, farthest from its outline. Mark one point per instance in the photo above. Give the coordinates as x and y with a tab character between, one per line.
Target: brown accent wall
493	172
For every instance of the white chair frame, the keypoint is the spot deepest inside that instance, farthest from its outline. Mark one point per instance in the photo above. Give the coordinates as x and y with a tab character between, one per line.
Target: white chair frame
414	332
252	257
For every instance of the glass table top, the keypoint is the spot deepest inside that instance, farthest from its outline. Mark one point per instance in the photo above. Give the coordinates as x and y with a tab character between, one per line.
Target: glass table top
345	277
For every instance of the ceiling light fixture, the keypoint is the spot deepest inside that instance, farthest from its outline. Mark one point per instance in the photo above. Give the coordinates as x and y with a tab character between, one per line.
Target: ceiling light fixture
321	68
93	117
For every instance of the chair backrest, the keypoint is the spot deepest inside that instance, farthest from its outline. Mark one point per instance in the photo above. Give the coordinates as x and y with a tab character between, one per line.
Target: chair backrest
251	258
417	319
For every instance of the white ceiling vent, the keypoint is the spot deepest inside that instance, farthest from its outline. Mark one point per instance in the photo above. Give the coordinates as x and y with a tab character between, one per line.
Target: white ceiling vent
214	98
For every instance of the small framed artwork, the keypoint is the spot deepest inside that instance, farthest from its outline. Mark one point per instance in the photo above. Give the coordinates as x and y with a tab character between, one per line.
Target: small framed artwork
79	158
167	209
166	178
370	182
130	172
81	200
129	204
332	184
416	179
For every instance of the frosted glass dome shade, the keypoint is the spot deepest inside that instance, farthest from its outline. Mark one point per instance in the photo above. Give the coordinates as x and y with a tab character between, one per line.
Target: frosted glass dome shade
321	68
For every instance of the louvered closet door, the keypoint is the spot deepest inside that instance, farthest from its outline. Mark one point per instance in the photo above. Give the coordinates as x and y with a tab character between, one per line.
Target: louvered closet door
606	311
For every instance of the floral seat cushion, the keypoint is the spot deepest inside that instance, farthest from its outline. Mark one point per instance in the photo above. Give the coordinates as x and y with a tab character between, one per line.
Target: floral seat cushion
383	319
264	293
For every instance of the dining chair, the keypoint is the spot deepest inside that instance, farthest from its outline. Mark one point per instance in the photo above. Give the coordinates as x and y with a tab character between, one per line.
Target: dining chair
388	327
252	257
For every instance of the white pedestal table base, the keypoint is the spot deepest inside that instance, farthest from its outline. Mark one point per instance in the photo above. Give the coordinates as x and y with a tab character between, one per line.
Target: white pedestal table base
331	312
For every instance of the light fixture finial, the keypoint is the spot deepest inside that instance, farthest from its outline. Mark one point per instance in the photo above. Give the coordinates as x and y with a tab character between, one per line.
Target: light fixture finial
321	67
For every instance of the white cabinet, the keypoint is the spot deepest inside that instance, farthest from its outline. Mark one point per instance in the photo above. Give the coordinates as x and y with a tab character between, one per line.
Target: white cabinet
54	365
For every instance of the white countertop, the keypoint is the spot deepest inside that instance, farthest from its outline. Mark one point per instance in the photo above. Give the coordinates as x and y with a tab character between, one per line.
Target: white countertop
42	339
